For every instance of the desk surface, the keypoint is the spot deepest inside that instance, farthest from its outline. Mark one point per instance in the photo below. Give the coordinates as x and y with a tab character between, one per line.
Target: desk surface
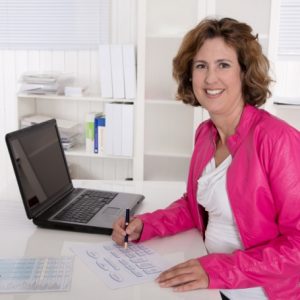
21	238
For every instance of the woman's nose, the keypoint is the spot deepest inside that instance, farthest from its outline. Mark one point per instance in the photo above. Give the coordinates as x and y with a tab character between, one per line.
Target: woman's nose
211	76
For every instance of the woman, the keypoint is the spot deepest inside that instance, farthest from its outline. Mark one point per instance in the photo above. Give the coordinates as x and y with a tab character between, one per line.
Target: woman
243	188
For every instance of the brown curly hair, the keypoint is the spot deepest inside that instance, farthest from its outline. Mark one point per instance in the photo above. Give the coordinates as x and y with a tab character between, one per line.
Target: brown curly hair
254	64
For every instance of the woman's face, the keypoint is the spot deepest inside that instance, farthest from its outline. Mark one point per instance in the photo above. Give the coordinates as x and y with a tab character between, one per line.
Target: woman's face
217	77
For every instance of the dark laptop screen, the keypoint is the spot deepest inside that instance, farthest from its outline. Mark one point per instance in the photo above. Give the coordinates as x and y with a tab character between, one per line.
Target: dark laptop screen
39	162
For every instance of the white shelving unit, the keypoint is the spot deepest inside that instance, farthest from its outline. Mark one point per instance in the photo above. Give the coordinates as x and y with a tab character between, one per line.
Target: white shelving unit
163	127
75	109
169	125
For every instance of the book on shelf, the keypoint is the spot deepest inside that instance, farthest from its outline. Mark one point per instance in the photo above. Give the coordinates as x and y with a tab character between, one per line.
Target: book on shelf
99	136
90	130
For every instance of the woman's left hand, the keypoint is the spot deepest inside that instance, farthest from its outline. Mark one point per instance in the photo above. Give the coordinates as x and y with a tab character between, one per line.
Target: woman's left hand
184	277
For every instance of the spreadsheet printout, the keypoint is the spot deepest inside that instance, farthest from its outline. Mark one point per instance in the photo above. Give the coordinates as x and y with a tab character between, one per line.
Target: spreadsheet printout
29	275
121	267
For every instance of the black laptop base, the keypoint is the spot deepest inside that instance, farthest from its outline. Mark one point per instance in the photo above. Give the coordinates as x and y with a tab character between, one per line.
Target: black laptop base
72	227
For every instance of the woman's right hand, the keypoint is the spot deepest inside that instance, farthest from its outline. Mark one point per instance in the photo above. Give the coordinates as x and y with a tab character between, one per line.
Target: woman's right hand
134	230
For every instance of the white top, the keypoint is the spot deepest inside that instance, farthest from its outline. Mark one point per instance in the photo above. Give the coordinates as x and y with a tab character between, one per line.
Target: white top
221	235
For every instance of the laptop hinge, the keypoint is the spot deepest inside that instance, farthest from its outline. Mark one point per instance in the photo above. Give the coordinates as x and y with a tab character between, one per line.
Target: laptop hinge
55	201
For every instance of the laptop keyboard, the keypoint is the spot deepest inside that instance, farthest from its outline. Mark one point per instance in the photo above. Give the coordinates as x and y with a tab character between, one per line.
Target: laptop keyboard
85	206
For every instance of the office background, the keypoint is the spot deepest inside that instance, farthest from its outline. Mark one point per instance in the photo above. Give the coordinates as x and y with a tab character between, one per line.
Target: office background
163	135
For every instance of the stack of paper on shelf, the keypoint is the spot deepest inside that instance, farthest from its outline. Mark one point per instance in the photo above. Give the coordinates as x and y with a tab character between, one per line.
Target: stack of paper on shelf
41	83
68	130
117	71
119	129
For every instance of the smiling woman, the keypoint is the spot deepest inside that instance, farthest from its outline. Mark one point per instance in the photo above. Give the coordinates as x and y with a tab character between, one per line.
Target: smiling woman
244	180
237	36
217	78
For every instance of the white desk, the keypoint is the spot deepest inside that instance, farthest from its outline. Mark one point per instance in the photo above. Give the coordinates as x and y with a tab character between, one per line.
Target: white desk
21	238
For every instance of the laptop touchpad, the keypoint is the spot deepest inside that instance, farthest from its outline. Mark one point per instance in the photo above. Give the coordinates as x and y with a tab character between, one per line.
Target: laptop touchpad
111	211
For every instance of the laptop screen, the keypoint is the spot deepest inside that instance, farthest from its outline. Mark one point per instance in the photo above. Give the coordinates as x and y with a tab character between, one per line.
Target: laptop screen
39	164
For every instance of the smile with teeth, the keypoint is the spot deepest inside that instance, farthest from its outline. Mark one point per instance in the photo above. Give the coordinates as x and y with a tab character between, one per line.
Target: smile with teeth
214	92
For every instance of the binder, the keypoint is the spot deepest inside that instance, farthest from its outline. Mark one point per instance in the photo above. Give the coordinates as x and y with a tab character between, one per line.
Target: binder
129	63
117	71
109	121
127	129
105	71
90	131
117	129
99	134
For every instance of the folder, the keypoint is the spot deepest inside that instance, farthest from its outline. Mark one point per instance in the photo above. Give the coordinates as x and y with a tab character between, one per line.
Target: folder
105	71
129	63
99	134
117	71
117	129
127	129
109	121
90	131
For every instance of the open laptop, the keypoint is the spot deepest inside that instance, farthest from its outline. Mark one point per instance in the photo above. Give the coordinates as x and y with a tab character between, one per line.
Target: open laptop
49	197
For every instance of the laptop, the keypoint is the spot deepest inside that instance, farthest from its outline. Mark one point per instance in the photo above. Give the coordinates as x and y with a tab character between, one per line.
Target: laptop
48	195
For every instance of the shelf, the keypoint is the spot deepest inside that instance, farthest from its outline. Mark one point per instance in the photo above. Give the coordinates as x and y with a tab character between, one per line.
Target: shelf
164	101
170	155
166	36
287	106
75	98
286	102
79	150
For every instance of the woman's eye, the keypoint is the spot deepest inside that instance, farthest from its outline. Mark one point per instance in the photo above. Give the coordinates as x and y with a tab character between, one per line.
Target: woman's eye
224	65
200	66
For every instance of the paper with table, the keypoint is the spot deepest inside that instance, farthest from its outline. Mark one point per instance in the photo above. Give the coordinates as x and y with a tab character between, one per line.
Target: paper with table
28	275
119	267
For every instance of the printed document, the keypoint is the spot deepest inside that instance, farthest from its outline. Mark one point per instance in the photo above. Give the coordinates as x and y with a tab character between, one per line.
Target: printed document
119	267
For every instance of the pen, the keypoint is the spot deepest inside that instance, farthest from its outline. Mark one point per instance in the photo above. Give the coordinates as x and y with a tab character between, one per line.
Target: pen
127	214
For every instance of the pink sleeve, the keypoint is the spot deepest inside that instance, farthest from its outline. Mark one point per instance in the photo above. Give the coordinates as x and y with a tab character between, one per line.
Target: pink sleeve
163	222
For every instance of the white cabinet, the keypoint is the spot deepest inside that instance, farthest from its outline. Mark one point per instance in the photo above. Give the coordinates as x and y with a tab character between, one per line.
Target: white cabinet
169	125
83	165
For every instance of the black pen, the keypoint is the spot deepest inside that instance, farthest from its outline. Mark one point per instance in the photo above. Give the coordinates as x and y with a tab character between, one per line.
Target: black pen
127	219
